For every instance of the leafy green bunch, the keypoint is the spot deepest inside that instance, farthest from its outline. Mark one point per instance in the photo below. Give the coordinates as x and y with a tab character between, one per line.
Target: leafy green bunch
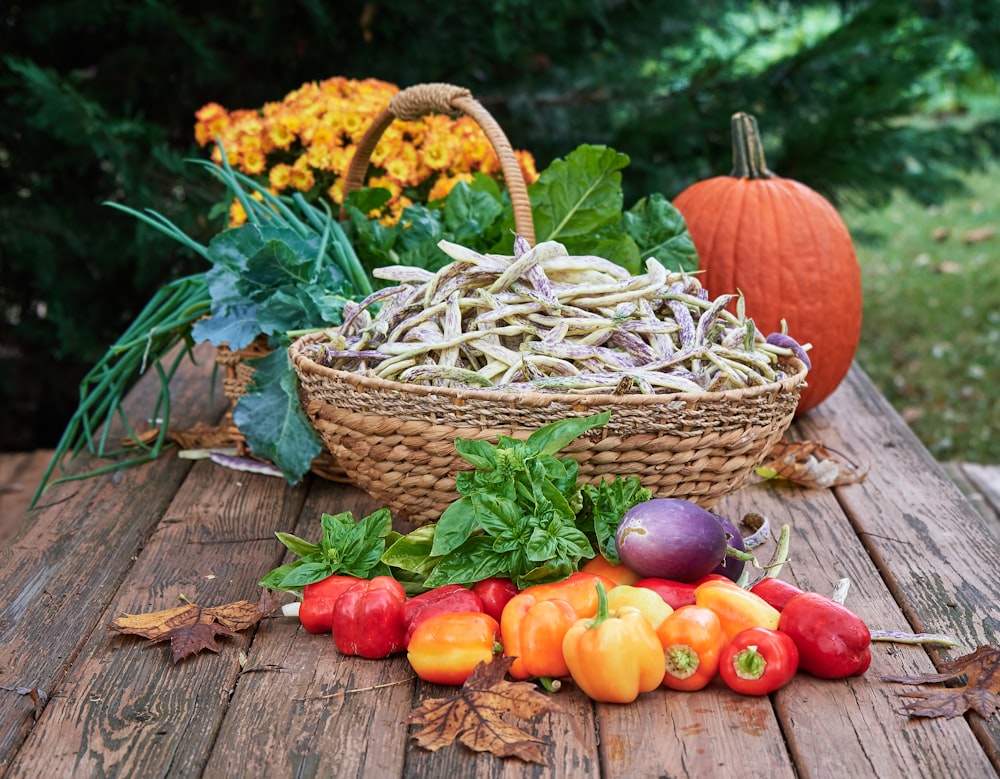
521	514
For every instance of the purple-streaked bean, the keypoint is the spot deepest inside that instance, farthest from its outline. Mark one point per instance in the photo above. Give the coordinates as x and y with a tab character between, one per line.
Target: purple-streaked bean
403	274
784	341
528	260
425	374
709	318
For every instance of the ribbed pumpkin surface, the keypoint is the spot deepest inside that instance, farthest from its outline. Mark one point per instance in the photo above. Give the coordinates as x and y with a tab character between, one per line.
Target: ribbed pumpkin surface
787	249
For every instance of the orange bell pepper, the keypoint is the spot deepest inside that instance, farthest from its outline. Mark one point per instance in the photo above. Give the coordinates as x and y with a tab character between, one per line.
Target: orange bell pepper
737	609
619	574
532	631
649	602
692	640
535	620
445	647
614	657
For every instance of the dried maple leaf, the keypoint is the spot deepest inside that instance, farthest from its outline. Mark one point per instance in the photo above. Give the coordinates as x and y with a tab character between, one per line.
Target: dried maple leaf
980	693
808	463
475	715
191	628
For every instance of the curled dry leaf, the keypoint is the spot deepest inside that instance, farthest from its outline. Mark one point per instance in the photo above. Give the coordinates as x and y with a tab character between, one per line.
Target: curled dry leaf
475	716
809	464
191	628
979	693
38	697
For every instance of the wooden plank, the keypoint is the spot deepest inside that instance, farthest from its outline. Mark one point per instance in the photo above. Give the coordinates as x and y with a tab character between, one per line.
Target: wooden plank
936	554
20	474
985	480
978	491
124	708
65	564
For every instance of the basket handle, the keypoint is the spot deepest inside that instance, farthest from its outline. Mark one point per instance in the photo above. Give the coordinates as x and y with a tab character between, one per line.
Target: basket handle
414	102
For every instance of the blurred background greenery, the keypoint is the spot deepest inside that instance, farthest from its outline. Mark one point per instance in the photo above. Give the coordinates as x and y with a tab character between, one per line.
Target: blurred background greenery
887	107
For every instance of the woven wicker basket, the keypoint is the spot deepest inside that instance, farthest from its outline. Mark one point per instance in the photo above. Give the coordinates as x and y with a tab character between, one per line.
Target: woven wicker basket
396	441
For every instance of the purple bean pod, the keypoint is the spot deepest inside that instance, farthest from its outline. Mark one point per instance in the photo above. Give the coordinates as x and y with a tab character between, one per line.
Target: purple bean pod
785	341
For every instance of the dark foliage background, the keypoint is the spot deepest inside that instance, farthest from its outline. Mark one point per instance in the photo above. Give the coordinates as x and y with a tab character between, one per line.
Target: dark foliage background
99	98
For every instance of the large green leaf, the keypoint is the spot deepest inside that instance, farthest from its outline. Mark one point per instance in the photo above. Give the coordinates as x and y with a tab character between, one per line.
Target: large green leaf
578	195
271	418
660	231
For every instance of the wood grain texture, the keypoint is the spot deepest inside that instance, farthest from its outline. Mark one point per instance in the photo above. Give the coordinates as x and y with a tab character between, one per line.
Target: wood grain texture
68	559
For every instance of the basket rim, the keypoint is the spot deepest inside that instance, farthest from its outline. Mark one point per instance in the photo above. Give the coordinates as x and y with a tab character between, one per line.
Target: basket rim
304	363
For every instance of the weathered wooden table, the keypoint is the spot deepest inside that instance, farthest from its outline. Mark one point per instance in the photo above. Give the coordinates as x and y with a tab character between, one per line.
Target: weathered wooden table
277	701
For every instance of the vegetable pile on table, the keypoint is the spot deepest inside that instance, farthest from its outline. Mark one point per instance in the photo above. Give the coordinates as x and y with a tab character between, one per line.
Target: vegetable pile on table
602	584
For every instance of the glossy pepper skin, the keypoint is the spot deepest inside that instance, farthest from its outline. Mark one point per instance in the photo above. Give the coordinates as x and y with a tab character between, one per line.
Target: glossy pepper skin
495	593
613	656
578	589
832	640
532	632
675	594
692	642
318	598
737	609
440	600
652	606
446	647
618	573
368	618
775	591
758	661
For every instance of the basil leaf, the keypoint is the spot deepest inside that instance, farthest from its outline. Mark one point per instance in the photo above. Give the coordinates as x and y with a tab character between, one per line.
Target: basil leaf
305	573
412	552
454	526
556	435
473	561
299	546
481	454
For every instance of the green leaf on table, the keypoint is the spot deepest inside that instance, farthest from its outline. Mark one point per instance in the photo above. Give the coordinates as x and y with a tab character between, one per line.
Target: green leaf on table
235	326
271	418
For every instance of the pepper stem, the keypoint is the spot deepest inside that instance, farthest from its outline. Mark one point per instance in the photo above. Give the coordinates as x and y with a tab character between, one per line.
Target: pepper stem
602	606
748	149
749	663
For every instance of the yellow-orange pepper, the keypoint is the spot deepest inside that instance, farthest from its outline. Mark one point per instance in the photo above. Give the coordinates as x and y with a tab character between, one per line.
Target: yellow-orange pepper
692	641
619	574
532	631
614	657
446	647
737	609
650	603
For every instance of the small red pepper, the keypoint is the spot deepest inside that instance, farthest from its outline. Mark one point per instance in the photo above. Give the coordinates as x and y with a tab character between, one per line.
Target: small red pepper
368	618
675	594
440	600
495	593
758	661
318	598
832	640
446	647
775	591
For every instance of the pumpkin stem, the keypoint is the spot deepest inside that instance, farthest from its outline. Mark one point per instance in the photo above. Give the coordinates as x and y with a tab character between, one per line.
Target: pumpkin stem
748	150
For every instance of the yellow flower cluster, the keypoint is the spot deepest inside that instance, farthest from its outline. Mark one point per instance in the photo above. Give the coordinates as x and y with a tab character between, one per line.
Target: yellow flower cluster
306	142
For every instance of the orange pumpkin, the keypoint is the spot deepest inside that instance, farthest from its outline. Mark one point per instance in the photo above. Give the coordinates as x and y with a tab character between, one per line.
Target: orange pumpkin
785	247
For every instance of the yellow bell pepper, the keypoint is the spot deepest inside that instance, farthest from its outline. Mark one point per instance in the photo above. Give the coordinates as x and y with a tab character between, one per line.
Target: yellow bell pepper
650	603
737	609
614	657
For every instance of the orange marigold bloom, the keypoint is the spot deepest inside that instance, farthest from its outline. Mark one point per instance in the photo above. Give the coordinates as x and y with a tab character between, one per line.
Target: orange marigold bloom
280	176
237	216
445	184
254	162
280	135
303	179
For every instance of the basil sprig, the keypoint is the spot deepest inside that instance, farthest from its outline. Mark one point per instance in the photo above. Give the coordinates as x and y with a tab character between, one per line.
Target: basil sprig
518	513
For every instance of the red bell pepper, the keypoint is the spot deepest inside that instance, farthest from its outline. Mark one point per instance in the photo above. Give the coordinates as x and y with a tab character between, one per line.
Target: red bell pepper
832	640
441	600
775	591
368	618
758	661
675	594
316	610
495	593
692	641
446	647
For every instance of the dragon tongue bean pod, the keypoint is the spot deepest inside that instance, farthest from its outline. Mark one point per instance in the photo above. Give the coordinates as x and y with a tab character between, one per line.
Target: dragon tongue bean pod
542	320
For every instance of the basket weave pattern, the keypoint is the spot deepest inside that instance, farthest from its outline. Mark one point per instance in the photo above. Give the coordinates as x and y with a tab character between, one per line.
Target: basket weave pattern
396	441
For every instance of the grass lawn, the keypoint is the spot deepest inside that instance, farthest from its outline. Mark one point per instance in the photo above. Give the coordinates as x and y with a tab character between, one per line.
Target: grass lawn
931	333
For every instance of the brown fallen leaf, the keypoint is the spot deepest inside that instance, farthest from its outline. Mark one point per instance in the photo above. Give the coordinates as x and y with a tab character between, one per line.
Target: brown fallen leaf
38	697
191	628
809	464
980	692
475	715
